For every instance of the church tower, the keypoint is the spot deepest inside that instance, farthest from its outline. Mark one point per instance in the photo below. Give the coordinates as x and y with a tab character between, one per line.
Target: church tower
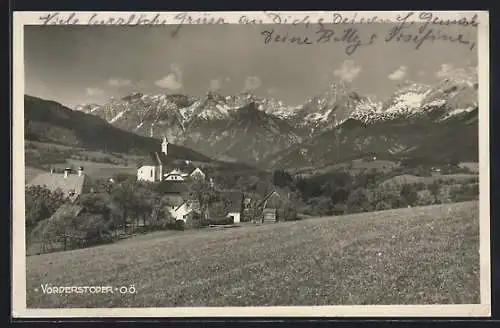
164	146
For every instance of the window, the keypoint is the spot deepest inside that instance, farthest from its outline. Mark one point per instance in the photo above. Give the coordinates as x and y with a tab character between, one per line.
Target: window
151	173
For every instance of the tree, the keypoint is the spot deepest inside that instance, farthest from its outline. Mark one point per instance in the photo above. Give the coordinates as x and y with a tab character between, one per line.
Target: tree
125	199
409	194
160	217
40	204
98	204
434	188
281	178
359	201
203	194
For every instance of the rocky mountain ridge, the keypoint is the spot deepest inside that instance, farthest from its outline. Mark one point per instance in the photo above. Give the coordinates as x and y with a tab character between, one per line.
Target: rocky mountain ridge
254	130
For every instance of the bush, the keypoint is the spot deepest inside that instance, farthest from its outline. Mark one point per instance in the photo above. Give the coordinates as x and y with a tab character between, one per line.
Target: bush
180	225
408	194
194	221
386	198
359	201
318	206
464	192
425	197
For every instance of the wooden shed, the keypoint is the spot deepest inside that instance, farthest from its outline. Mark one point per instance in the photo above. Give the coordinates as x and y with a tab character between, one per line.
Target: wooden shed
272	206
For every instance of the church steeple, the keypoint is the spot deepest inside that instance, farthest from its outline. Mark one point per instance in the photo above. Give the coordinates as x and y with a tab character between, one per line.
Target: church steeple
164	146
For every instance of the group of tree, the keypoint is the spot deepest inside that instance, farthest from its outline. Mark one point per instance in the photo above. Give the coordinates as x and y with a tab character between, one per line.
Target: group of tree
349	191
113	210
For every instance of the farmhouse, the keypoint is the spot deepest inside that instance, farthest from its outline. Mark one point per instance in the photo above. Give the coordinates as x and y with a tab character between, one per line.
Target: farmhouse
178	206
176	198
160	166
72	184
276	206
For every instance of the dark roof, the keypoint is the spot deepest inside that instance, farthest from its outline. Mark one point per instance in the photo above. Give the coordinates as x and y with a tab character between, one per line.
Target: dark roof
157	158
173	200
234	198
280	193
172	187
53	181
67	210
187	167
169	163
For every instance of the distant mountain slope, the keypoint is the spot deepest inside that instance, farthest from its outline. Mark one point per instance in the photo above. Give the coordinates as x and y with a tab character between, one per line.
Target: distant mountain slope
49	121
433	124
247	135
235	128
337	124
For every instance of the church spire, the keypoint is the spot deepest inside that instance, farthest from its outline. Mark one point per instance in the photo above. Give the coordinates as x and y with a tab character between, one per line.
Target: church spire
164	145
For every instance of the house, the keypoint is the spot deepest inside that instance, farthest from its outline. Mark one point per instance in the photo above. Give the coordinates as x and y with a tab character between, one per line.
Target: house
182	211
234	204
175	175
161	166
177	206
70	183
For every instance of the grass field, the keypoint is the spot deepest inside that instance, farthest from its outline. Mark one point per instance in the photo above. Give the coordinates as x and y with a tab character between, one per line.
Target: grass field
423	255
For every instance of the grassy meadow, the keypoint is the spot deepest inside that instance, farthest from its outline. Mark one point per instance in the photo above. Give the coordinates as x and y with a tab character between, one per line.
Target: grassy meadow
422	255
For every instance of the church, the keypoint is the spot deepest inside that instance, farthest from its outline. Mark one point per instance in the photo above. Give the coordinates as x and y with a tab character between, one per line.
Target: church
162	166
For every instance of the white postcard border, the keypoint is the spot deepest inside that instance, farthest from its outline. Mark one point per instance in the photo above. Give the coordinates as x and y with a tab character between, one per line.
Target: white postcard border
19	309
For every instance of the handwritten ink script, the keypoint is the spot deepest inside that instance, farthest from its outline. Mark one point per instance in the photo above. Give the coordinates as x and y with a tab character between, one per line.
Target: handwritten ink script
415	29
155	19
402	30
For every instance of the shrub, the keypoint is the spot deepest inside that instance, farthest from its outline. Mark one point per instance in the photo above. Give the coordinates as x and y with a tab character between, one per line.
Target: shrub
386	198
464	192
408	194
359	201
193	221
424	197
179	225
318	206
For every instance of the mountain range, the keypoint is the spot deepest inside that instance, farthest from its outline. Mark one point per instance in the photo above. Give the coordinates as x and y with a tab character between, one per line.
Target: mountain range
50	122
437	122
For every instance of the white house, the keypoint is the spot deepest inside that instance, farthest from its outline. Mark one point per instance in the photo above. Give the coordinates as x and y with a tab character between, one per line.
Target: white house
162	166
181	212
175	175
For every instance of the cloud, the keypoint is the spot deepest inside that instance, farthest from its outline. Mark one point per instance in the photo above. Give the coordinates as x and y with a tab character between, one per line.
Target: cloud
252	83
449	71
94	91
119	83
399	73
169	82
172	81
215	85
348	71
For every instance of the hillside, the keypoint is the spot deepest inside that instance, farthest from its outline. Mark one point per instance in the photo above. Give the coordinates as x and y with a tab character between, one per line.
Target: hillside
425	140
50	122
423	255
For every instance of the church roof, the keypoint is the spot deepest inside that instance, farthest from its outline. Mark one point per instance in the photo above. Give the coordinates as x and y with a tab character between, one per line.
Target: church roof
169	163
157	158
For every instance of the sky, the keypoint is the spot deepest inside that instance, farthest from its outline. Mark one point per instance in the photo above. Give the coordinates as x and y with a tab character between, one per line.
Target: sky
90	64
